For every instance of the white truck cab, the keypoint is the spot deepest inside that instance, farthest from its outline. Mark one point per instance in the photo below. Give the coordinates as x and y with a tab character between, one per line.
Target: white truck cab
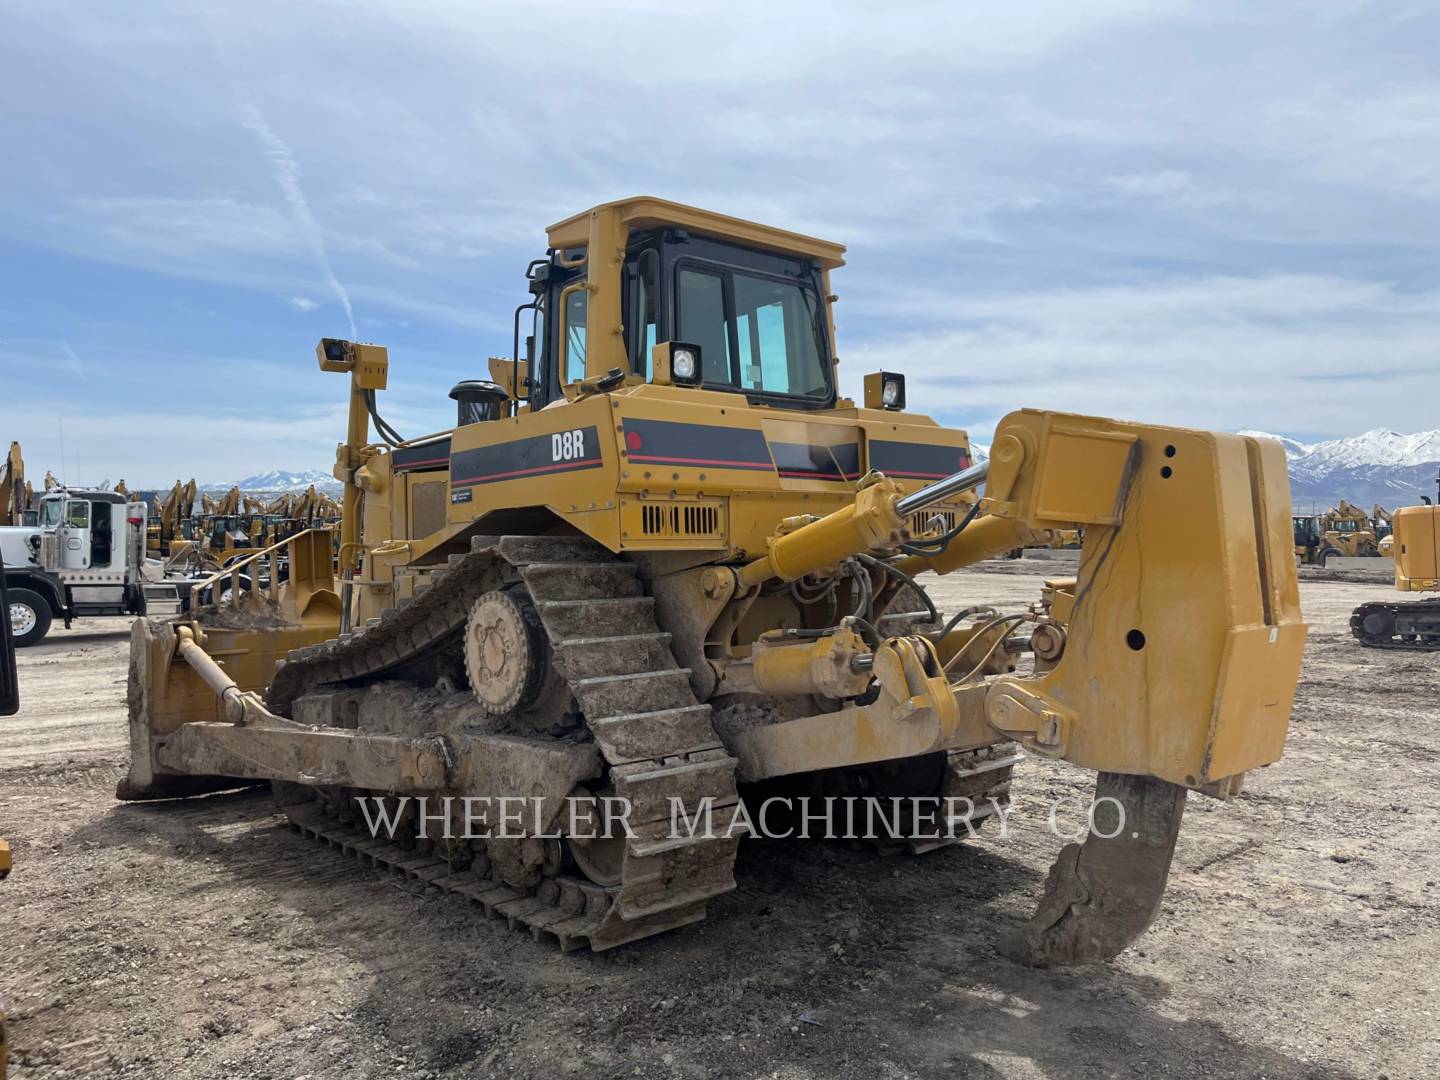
82	557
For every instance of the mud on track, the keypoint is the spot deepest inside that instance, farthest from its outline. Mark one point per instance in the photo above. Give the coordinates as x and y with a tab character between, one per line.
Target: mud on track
1300	936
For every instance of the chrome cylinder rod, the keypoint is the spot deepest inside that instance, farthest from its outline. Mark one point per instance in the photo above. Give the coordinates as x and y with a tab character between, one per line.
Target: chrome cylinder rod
954	484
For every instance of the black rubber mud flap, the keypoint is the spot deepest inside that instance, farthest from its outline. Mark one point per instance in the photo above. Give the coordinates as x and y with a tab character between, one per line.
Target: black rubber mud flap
1102	894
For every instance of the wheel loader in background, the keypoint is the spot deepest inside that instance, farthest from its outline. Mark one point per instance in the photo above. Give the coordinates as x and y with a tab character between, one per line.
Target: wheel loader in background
1343	530
662	563
1415	545
1350	530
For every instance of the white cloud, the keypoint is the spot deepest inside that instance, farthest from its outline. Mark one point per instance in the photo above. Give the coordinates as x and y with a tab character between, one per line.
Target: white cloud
286	171
303	303
1311	353
1207	212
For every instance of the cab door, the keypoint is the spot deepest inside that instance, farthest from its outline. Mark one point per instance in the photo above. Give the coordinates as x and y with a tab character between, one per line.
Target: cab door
74	535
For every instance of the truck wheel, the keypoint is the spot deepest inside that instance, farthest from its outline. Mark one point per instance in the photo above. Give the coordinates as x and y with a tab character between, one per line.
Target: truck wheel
1325	556
29	617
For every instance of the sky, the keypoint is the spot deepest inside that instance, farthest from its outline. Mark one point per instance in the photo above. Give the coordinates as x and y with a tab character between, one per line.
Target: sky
1207	214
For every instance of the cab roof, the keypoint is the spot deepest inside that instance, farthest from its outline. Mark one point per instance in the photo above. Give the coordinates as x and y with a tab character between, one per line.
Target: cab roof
89	496
648	212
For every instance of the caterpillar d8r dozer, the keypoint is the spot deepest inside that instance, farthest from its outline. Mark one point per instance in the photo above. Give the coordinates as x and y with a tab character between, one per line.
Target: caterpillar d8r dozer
660	561
1414	624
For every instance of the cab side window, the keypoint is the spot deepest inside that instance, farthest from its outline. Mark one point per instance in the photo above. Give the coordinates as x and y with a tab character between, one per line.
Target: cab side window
702	321
576	305
101	537
642	277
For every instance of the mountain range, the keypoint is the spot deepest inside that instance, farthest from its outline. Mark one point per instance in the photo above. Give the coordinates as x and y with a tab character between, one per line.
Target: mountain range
283	480
1378	466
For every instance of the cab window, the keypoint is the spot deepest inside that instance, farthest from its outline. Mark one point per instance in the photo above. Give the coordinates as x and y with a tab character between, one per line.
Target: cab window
576	305
50	513
776	323
77	514
702	321
643	278
756	333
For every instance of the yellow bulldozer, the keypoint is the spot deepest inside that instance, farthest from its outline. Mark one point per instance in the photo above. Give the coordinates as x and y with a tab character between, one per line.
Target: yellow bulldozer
662	569
1415	545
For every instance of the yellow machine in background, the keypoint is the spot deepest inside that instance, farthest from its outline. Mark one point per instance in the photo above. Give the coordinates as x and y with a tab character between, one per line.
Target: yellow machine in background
165	532
16	494
1349	530
226	505
1344	530
237	526
661	559
1382	521
1415	541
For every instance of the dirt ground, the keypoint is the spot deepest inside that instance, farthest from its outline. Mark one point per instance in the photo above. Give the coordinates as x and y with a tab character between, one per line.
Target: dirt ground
1300	936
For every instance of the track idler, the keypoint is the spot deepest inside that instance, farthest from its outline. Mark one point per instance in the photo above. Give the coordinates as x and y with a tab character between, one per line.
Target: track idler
1101	895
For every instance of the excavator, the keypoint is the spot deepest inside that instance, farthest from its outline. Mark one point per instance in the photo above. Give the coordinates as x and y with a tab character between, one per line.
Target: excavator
165	535
663	568
278	507
1415	545
224	531
16	494
226	505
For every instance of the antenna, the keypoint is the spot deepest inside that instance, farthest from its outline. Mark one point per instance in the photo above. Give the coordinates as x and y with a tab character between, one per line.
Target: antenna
64	479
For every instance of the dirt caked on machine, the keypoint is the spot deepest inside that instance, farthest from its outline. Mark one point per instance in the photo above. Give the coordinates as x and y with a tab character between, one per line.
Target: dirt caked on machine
662	559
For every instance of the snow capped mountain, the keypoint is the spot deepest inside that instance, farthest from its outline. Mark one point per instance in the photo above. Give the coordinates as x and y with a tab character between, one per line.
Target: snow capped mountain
1294	449
1384	467
1378	447
1378	466
284	480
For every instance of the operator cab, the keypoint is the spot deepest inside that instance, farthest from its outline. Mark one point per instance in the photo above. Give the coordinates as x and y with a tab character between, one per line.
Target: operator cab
1307	530
752	300
82	530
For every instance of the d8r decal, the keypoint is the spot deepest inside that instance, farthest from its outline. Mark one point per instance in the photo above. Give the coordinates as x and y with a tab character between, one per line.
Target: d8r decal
567	445
517	459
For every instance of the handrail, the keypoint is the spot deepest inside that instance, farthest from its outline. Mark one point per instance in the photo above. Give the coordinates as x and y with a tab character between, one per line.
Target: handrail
232	571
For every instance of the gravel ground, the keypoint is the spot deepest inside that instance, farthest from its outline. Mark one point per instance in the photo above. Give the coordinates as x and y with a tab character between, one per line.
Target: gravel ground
1300	936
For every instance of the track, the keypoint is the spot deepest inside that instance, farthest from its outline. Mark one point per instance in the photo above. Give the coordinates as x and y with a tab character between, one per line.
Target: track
1384	625
655	736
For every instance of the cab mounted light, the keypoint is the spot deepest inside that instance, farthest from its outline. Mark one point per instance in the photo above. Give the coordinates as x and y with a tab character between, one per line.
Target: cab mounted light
885	390
676	363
